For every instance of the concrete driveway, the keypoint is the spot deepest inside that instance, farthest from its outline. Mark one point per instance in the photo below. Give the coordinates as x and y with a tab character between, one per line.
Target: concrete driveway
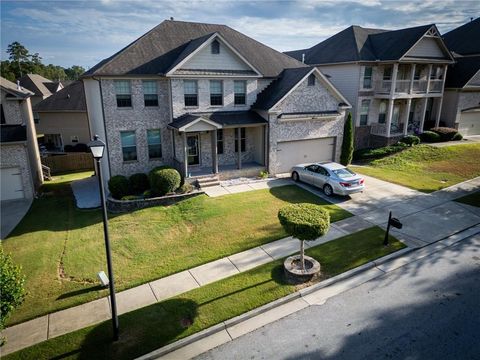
12	211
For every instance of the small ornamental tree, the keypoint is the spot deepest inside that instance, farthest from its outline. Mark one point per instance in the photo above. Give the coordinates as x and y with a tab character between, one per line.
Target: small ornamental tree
347	144
12	292
304	222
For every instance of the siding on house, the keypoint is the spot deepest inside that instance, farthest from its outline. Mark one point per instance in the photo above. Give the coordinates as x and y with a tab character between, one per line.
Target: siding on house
67	124
426	47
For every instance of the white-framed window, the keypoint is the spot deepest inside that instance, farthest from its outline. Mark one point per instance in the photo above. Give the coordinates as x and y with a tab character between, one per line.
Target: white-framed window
150	93
240	90
190	88
216	92
154	141
243	140
123	93
129	145
215	47
364	112
387	72
382	112
367	77
311	80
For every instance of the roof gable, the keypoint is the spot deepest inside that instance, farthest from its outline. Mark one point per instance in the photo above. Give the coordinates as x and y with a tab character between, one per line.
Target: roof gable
464	39
13	89
158	50
70	98
463	72
37	84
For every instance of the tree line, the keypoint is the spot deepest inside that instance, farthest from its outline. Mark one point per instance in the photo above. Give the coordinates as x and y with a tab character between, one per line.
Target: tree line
21	62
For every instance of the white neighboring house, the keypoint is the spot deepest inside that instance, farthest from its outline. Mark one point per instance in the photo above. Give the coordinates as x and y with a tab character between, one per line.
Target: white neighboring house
20	167
461	105
211	102
394	79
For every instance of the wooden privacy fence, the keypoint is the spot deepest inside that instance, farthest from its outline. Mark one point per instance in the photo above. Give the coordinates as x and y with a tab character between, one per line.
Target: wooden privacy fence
69	162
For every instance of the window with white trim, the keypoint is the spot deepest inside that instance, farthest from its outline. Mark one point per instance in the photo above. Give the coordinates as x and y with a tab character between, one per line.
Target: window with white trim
216	92
364	112
123	93
150	93
154	141
240	90
190	88
387	72
367	77
382	112
129	145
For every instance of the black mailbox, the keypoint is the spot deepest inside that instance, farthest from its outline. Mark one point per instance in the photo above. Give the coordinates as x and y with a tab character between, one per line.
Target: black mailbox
396	223
391	222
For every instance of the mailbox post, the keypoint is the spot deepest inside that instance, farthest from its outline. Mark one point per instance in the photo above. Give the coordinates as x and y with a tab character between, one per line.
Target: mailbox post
393	222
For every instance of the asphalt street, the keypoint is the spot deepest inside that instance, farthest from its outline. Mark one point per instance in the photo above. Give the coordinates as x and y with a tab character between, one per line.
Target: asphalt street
428	309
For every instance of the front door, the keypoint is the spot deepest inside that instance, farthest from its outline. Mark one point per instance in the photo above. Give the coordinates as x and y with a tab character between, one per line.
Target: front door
193	149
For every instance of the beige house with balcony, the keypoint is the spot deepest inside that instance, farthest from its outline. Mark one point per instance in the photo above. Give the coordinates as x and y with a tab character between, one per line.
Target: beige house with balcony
393	79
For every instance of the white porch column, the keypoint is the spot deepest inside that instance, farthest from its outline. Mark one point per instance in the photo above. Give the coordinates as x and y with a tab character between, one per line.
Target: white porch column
407	115
389	117
412	78
439	111
422	116
214	152
265	146
185	154
428	77
394	79
239	146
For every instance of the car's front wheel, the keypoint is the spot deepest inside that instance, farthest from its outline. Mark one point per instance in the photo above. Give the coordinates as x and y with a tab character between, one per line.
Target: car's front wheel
327	190
295	176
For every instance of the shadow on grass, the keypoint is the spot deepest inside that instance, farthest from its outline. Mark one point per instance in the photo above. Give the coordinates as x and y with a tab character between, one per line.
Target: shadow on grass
80	292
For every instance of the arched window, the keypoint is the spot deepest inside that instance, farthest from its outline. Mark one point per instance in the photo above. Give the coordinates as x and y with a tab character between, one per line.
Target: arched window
311	80
215	47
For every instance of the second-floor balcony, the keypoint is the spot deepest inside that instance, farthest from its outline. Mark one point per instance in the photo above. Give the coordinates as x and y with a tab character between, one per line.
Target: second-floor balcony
409	87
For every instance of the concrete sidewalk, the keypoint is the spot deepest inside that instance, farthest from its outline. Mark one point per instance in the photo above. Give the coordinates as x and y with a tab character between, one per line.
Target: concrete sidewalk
11	213
219	190
86	193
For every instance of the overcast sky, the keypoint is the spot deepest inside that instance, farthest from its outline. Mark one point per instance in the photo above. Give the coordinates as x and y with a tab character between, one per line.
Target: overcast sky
84	32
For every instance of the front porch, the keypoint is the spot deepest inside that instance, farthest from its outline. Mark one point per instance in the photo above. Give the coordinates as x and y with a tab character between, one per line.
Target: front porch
227	144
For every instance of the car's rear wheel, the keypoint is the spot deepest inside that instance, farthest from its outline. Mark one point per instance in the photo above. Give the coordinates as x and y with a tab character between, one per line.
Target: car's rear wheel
295	176
327	190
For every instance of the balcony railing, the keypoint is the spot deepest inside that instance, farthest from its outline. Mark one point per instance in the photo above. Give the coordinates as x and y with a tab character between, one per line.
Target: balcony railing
403	86
435	85
381	129
419	86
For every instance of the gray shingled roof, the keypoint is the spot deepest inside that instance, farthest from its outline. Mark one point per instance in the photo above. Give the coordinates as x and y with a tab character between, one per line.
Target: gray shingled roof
70	98
157	50
13	88
224	118
464	40
280	87
460	73
12	133
361	44
36	84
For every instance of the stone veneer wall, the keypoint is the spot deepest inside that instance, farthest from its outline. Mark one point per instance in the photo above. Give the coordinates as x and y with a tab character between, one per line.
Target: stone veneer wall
15	155
138	118
12	110
467	99
304	99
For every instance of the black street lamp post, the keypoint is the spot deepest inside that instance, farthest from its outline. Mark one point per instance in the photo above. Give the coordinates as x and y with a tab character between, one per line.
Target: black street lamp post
97	147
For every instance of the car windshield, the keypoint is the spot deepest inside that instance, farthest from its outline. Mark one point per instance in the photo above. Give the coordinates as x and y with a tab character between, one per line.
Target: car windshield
343	173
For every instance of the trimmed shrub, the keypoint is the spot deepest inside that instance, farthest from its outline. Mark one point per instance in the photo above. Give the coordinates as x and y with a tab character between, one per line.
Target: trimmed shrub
347	143
446	133
373	154
12	291
164	181
118	186
185	188
457	137
430	137
138	183
410	140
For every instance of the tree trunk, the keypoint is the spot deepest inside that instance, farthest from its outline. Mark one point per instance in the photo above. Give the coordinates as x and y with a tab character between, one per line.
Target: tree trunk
302	253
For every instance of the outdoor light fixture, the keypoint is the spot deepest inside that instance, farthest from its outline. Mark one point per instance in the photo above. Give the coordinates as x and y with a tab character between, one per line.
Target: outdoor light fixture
97	147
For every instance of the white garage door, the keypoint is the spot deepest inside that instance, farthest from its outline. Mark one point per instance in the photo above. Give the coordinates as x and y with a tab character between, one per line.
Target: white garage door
11	183
469	123
290	153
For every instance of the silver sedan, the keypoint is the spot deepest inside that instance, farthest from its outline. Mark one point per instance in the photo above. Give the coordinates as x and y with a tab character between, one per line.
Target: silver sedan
333	178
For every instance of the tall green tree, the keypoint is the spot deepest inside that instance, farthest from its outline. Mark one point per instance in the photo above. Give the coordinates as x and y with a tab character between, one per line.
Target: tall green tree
347	144
18	54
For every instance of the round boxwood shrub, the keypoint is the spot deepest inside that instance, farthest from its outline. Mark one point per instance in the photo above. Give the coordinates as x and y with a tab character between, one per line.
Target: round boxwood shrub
138	183
304	222
457	137
164	181
446	133
430	137
118	186
410	140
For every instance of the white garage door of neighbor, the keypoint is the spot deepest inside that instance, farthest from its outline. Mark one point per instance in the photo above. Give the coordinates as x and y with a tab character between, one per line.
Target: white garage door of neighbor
291	153
469	123
11	183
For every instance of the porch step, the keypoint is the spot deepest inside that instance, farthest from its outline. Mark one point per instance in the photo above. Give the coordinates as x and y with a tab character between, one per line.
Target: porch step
208	180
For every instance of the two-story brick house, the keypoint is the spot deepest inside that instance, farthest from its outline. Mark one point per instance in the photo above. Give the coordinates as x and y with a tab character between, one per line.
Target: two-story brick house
208	99
393	79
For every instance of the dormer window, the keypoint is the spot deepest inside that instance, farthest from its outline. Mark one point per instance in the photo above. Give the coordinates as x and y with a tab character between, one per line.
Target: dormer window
215	47
311	80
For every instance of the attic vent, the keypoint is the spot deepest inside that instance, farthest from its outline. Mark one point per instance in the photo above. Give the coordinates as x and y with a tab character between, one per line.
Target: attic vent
215	47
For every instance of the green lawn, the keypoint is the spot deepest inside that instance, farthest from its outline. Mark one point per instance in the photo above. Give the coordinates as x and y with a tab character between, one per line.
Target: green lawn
427	168
61	248
154	326
471	199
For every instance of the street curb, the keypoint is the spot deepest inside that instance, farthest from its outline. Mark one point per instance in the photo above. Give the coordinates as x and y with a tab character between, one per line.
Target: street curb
225	325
